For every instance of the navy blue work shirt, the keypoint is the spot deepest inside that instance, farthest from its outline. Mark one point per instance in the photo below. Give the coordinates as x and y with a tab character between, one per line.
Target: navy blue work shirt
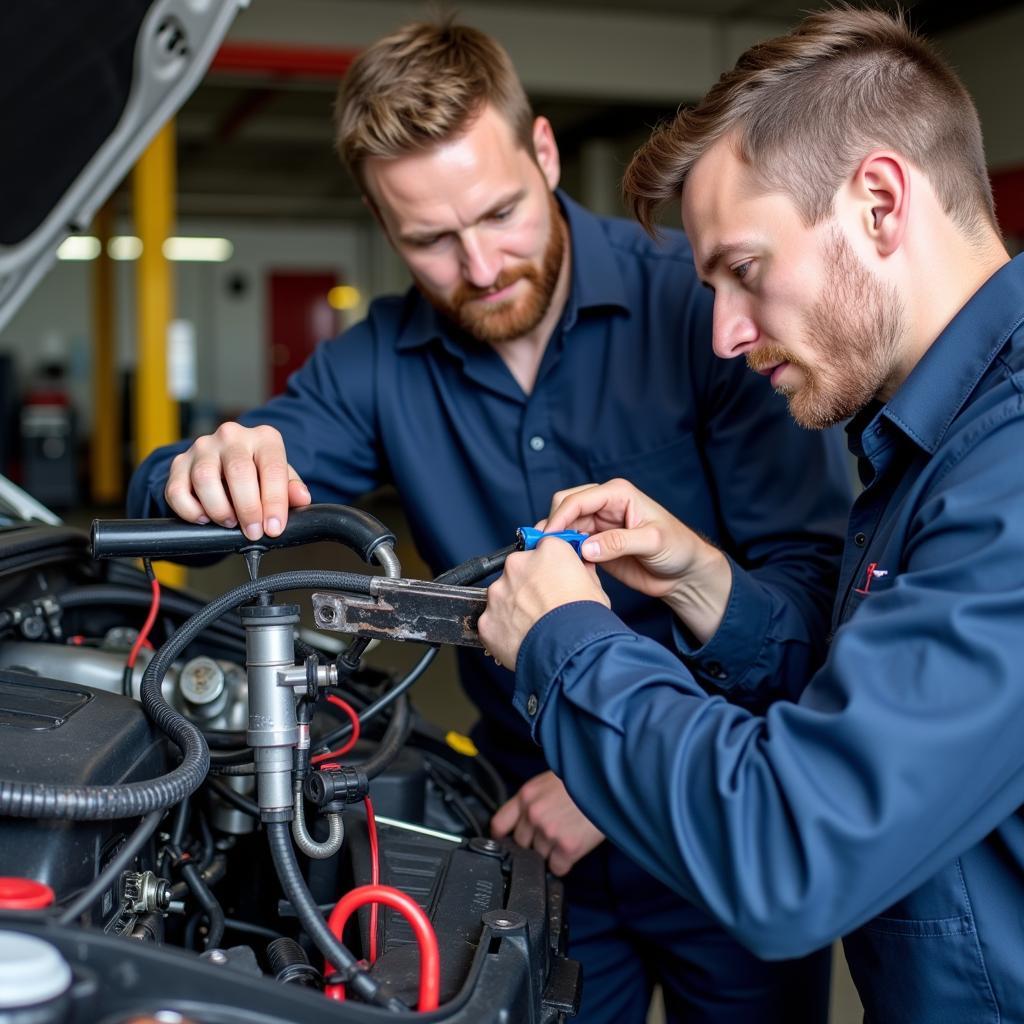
885	805
628	386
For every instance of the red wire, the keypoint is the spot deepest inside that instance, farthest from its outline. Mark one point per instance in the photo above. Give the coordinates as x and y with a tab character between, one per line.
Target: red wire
371	828
154	607
353	718
430	957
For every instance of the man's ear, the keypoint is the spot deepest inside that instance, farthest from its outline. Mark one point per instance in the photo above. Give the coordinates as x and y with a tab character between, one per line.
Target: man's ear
881	189
546	151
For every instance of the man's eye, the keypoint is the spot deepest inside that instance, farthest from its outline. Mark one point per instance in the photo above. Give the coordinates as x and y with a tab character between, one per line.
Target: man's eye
741	269
502	214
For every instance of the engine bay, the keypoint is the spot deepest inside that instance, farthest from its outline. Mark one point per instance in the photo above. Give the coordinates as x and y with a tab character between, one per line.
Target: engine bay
211	814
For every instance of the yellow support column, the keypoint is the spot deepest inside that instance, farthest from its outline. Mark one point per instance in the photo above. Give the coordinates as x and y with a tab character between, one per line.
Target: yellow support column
107	482
156	413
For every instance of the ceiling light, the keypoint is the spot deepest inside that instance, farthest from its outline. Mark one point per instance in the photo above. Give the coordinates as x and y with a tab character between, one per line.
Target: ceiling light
205	250
79	247
124	247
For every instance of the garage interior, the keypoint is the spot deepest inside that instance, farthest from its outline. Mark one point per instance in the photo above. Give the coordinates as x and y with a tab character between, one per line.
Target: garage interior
277	249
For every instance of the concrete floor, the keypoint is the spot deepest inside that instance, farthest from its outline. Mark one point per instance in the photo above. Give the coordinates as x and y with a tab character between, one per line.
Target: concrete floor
437	695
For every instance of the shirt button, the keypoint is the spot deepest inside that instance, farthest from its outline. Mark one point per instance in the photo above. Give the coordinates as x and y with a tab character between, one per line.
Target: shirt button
537	443
860	539
715	670
531	704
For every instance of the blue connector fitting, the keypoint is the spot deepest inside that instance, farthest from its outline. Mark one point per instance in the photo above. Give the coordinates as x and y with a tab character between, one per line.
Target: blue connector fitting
528	537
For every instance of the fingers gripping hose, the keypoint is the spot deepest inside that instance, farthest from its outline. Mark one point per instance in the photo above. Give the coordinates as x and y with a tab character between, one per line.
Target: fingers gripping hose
133	799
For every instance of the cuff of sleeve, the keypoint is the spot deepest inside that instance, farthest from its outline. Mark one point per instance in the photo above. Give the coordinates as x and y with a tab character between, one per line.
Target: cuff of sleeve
726	659
551	642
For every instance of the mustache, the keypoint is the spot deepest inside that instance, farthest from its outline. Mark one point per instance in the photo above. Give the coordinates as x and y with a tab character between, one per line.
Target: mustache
759	359
468	292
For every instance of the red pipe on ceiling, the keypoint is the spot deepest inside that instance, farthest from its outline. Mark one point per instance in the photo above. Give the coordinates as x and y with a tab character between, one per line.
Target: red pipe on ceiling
282	61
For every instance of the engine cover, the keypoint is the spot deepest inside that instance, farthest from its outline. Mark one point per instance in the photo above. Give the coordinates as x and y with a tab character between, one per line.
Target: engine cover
57	732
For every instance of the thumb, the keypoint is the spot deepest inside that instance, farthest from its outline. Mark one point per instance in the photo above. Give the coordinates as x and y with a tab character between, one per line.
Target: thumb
298	492
641	542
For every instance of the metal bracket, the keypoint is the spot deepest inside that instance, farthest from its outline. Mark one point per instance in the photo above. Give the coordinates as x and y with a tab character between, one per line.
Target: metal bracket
401	609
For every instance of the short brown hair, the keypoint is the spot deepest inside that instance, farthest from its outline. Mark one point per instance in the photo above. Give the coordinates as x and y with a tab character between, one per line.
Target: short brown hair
807	106
423	85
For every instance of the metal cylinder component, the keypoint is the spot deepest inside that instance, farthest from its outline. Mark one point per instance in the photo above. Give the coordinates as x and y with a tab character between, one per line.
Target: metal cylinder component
273	729
202	686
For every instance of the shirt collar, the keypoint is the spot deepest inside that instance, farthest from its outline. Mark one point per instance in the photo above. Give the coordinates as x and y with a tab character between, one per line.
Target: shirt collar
596	281
942	381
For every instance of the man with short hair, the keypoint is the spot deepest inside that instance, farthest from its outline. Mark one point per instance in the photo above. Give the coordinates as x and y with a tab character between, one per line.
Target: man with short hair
540	346
833	187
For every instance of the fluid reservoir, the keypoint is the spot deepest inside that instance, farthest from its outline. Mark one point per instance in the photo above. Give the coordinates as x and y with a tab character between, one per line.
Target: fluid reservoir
34	981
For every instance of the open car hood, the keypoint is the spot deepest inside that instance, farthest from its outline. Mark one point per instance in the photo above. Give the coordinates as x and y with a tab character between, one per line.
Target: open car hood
85	87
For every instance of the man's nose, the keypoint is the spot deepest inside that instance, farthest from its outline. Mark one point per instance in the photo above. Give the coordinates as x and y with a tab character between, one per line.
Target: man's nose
481	262
734	332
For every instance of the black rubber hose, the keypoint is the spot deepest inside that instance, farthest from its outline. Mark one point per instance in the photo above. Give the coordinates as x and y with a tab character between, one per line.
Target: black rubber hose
210	904
241	756
103	881
312	921
391	743
475	569
114	595
133	799
174	538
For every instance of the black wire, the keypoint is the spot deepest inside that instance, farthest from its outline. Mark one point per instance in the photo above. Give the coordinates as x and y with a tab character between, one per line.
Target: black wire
453	797
234	770
457	776
237	800
475	569
205	898
99	885
328	741
233	924
174	602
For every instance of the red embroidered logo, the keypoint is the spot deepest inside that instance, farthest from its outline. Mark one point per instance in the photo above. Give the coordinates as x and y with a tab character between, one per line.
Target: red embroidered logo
873	573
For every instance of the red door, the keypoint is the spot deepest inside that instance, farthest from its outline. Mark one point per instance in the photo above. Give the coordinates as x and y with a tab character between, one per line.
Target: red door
300	316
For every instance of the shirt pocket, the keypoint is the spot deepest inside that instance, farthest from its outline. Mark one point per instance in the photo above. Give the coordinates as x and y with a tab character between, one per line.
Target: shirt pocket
856	594
921	960
673	474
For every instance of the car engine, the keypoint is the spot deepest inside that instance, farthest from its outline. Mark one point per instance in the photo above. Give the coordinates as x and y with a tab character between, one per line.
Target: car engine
188	788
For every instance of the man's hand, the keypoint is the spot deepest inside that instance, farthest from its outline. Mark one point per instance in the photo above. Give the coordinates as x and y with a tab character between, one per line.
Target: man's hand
533	584
237	475
647	548
542	816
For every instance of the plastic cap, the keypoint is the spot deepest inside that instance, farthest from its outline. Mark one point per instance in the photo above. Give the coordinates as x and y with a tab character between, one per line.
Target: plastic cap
31	971
24	894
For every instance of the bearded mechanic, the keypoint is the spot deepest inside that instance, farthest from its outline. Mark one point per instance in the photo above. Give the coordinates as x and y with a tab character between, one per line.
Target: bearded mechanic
834	188
515	366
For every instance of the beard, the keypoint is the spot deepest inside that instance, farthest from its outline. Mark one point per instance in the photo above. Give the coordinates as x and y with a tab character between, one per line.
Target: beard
854	330
511	318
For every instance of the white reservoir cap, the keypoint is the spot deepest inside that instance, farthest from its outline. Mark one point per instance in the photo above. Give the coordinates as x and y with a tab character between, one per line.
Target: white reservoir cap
31	971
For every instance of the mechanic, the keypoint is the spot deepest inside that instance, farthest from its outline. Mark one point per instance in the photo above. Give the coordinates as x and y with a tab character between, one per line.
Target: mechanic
540	347
834	189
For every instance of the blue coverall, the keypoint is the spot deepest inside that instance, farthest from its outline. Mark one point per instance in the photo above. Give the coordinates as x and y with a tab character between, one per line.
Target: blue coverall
886	804
628	386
